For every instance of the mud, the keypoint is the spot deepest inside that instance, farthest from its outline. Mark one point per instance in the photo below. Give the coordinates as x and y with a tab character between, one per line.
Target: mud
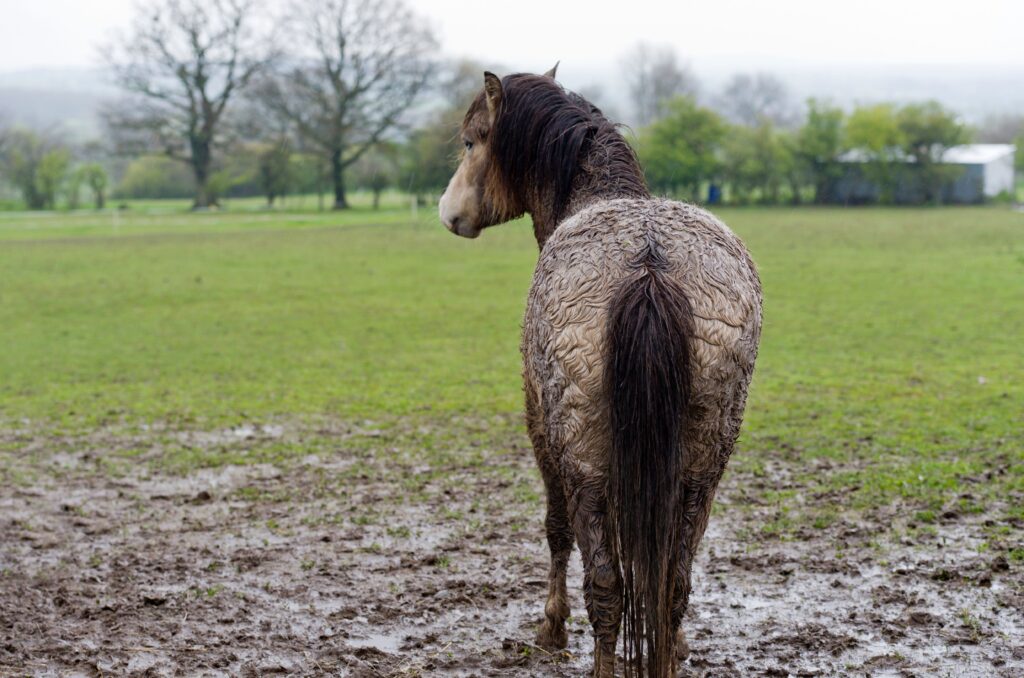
373	558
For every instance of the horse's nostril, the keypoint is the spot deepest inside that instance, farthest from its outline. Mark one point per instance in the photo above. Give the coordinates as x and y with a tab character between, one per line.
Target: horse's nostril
455	222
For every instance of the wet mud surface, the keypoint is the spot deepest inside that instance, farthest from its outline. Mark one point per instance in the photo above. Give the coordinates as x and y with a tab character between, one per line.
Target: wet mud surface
377	559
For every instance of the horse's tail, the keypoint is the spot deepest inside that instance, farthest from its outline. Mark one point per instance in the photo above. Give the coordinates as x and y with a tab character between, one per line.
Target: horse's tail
648	377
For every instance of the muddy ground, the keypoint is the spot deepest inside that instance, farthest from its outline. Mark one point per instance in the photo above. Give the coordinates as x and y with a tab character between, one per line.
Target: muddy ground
370	557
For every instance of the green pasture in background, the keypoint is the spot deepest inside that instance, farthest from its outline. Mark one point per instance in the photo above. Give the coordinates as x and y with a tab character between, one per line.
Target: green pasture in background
894	336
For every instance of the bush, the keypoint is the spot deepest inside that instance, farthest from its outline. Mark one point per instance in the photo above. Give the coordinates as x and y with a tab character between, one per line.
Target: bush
37	166
154	176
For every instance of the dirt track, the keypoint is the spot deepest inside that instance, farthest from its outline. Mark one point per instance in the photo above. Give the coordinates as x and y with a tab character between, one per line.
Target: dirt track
377	561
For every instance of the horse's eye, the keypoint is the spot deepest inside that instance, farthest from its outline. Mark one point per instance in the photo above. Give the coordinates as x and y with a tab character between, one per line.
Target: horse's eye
468	144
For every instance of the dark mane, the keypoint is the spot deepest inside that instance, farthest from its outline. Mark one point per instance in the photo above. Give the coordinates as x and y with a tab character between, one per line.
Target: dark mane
554	147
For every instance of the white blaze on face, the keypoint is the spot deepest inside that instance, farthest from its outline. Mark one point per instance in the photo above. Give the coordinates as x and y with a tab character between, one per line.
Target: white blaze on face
459	208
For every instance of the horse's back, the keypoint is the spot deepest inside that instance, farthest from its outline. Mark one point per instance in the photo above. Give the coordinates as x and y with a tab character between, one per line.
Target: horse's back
580	270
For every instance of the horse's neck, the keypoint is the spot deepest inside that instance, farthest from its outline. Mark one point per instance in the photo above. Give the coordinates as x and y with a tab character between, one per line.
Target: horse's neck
594	183
544	223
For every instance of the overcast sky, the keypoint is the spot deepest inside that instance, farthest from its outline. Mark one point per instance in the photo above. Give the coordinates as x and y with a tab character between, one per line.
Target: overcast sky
530	34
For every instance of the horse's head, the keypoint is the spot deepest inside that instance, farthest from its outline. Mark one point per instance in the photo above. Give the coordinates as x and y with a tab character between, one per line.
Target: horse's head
478	195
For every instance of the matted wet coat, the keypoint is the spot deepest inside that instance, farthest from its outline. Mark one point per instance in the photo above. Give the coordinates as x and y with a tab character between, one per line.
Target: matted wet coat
639	341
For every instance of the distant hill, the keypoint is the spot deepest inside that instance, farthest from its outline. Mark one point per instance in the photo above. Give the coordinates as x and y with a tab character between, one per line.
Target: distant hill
66	98
975	92
71	97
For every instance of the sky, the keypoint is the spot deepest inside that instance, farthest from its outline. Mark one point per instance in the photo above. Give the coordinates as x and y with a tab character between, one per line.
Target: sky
967	54
591	35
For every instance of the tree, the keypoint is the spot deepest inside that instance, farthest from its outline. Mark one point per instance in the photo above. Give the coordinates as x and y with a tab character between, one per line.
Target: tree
1001	129
95	177
679	151
428	157
37	165
794	171
155	176
1019	157
375	171
310	174
181	65
756	157
654	78
750	99
72	185
875	132
370	61
819	144
771	159
275	169
928	130
739	166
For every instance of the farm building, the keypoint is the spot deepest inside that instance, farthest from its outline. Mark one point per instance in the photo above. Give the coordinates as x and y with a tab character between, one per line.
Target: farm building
981	171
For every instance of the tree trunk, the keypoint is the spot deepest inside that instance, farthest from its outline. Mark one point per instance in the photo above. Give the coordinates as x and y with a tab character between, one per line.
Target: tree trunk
338	179
820	189
201	158
376	198
794	188
100	200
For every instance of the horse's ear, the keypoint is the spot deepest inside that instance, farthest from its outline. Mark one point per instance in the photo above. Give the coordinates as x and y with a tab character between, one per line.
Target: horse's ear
551	72
492	91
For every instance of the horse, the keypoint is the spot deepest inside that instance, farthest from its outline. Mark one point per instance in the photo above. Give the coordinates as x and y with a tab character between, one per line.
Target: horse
639	341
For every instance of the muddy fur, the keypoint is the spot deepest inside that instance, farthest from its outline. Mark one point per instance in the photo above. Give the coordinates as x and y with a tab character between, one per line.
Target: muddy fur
667	293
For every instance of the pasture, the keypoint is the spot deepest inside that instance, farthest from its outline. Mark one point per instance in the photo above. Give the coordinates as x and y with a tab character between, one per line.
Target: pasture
255	441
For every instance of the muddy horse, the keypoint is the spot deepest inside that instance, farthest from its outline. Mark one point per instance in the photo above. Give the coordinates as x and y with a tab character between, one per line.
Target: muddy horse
639	341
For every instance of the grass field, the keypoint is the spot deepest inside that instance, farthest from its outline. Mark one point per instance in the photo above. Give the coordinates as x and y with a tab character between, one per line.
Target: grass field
889	333
891	356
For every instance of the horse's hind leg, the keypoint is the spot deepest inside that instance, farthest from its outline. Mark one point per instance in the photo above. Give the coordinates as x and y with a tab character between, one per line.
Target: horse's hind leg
711	446
552	633
697	499
602	583
698	496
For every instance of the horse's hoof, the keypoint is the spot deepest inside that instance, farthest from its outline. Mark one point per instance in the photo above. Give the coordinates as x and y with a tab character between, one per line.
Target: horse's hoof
682	647
552	636
604	663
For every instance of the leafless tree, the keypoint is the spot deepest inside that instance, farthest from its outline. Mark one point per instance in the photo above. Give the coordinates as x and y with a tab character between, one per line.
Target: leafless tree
181	64
366	64
460	80
751	99
1001	129
597	95
654	77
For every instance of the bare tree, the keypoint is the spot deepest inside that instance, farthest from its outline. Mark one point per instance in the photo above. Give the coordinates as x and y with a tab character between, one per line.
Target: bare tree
752	99
460	80
181	64
367	63
1001	129
655	77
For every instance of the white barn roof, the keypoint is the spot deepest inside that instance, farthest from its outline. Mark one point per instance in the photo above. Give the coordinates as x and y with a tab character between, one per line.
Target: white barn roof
976	154
967	154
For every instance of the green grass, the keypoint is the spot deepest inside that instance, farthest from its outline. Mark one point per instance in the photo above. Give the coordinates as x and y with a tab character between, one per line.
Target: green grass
893	337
